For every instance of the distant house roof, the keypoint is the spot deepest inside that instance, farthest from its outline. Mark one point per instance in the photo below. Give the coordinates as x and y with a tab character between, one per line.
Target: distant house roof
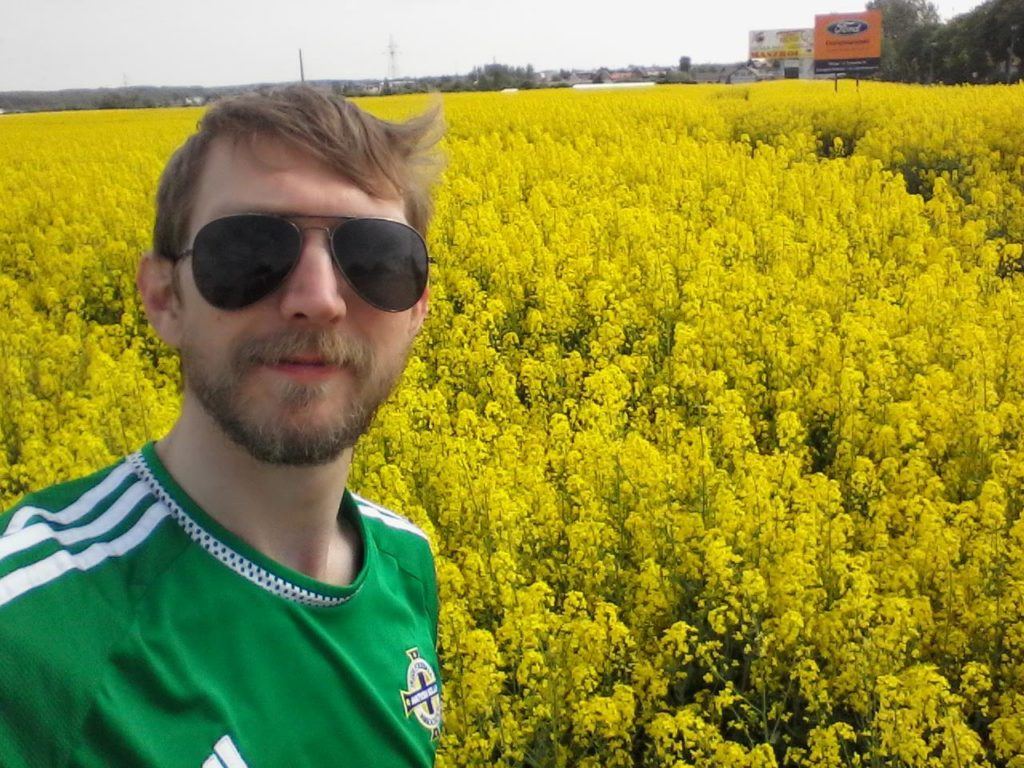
743	74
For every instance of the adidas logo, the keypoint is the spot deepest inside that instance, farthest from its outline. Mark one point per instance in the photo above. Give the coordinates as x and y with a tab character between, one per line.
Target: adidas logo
225	755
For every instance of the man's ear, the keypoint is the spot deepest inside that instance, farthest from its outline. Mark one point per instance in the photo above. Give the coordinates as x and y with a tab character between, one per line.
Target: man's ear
418	313
161	296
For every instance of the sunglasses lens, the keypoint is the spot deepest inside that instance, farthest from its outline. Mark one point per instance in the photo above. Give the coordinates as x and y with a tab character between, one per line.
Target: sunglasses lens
237	260
385	262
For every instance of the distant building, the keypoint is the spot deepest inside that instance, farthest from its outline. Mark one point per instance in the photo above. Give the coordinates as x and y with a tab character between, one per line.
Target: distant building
743	74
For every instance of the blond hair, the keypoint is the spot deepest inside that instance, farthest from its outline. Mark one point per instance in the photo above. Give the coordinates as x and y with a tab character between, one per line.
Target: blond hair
383	159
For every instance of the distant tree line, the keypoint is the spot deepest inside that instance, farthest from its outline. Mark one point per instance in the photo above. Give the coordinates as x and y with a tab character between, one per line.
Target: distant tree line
128	97
494	77
985	45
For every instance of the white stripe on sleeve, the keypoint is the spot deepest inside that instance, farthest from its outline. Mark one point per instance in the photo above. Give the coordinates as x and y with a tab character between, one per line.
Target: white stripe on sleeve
56	565
81	506
391	520
39	532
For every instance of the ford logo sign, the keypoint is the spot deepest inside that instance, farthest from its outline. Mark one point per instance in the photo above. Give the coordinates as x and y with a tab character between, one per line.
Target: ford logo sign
847	27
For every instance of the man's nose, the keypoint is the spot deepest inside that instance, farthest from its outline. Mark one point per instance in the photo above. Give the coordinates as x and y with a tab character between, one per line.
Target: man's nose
313	289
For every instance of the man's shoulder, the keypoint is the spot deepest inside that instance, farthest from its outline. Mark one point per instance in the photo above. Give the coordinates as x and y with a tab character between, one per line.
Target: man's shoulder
382	516
408	545
93	524
68	587
86	490
395	534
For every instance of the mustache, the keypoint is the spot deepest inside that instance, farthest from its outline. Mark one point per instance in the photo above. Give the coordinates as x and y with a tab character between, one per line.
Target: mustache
329	347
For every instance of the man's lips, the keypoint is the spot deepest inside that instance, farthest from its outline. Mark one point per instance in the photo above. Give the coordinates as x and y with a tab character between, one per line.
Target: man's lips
306	368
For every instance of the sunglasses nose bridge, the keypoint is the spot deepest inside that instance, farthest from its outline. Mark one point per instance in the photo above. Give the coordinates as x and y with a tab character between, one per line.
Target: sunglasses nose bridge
316	228
326	242
313	287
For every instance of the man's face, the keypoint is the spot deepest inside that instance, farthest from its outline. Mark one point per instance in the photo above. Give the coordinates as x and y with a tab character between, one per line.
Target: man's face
296	377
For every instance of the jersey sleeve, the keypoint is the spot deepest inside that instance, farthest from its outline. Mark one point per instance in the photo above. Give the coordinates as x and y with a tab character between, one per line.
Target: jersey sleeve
64	604
430	596
410	547
46	641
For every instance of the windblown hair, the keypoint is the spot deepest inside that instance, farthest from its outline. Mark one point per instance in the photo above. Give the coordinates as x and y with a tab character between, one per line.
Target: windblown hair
383	159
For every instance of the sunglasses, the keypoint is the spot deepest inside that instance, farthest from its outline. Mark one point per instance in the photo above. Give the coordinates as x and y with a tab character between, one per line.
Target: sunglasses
239	259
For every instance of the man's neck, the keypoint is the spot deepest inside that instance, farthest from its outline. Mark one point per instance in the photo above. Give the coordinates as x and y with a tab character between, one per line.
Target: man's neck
290	514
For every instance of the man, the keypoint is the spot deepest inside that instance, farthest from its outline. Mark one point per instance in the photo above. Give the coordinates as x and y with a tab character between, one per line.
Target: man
219	599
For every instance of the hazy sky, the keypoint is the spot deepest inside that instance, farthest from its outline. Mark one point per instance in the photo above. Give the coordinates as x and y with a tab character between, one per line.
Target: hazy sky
52	44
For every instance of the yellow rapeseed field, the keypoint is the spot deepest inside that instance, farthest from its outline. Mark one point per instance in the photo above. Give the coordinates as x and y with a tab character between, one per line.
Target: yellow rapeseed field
716	423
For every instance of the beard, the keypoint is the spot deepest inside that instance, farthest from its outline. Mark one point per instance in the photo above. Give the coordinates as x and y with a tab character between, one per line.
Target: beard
279	436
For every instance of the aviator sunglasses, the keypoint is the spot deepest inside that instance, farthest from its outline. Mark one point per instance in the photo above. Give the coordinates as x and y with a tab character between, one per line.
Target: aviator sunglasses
239	259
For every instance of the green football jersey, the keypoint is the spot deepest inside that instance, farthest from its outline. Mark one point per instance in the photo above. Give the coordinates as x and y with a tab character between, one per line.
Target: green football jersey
136	631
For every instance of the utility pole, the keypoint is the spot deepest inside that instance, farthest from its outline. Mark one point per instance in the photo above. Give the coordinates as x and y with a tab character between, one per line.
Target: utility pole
1009	51
392	58
302	71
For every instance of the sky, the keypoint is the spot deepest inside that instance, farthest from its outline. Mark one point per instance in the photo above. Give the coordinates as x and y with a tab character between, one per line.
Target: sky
54	44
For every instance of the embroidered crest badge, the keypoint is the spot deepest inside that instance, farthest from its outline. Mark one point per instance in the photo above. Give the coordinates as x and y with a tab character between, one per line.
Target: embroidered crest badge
423	697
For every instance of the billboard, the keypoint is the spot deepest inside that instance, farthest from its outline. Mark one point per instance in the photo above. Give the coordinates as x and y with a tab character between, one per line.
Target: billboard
847	43
782	44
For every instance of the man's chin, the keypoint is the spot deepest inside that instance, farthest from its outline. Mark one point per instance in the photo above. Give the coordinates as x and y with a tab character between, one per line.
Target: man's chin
293	450
288	423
